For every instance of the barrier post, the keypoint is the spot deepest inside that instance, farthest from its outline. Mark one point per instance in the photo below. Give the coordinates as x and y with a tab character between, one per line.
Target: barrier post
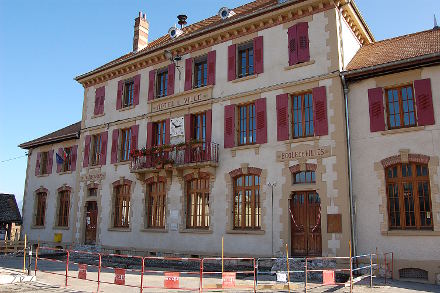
99	270
392	266
222	254
288	273
142	274
24	254
255	268
67	266
201	276
371	270
351	267
305	271
386	266
36	259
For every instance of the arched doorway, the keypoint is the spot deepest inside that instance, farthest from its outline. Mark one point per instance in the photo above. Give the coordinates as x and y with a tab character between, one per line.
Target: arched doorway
305	212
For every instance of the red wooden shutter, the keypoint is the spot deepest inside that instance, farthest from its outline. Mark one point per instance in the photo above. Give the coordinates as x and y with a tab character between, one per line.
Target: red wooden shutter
320	120
282	117
119	97
375	104
425	107
188	128
188	74
137	89
61	154
167	131
37	165
211	67
104	142
86	151
258	61
149	135
208	127
293	50
171	74
115	139
303	42
261	127
231	62
134	137
151	79
229	126
73	156
49	162
101	101
97	101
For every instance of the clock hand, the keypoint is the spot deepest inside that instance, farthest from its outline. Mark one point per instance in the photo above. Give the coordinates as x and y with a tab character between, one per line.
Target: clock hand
174	124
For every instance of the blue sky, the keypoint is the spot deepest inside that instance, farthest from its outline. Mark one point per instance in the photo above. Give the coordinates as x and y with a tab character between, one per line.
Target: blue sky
45	44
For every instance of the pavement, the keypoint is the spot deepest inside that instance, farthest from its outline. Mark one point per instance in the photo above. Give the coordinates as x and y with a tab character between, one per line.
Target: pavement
53	280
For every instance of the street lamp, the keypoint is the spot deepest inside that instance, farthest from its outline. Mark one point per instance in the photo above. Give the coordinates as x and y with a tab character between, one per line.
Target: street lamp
272	185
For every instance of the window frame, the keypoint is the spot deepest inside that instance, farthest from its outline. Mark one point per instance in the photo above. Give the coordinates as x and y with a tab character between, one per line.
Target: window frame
247	132
198	126
239	221
399	89
128	94
197	213
162	83
89	194
202	64
248	49
95	150
122	206
156	205
40	214
306	181
303	114
63	208
44	160
159	138
399	181
124	144
67	163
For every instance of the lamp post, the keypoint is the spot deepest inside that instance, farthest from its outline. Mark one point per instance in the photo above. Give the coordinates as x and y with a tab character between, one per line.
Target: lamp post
271	185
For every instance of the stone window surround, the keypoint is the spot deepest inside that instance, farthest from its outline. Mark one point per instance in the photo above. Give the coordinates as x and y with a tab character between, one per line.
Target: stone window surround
229	178
131	185
34	214
406	157
160	176
64	187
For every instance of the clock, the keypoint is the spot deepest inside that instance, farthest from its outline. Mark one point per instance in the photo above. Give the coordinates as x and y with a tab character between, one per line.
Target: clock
177	126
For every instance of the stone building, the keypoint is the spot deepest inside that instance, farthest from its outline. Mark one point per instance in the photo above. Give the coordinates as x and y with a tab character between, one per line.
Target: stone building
232	127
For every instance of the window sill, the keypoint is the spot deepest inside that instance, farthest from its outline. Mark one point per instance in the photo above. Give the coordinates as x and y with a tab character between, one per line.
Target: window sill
60	228
255	75
37	227
411	233
194	90
154	230
196	231
402	130
97	115
94	167
253	232
126	108
115	229
42	175
302	139
255	147
122	163
65	172
290	67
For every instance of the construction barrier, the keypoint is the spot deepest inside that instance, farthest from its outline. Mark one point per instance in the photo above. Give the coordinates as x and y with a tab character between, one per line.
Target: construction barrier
57	256
82	264
272	272
234	273
389	265
364	267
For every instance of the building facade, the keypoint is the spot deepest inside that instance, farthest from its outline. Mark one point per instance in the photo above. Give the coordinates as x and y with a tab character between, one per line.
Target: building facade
233	127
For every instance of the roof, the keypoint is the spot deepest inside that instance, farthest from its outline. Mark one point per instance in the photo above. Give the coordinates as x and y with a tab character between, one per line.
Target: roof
396	49
9	211
66	133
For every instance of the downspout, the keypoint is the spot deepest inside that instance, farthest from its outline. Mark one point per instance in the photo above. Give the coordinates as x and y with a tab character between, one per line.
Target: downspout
350	177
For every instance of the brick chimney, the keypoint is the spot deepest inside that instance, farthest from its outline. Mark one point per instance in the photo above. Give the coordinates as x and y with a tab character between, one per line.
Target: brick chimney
140	38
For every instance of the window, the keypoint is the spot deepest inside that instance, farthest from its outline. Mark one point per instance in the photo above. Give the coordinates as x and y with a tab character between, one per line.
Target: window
200	72
41	209
304	177
124	148
302	113
199	127
246	59
127	99
198	203
122	206
95	154
247	133
43	163
67	163
63	208
159	129
247	211
400	107
93	191
409	199
162	82
156	205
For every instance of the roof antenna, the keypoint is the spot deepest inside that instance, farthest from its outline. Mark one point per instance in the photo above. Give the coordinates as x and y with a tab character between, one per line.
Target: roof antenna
436	27
182	20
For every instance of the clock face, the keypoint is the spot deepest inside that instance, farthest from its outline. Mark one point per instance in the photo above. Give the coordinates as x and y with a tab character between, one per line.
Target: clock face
177	126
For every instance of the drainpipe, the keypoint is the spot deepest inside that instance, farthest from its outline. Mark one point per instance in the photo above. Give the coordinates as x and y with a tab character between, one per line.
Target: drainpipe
350	177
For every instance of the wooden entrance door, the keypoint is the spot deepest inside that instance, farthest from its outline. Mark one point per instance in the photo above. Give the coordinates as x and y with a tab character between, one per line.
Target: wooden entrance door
305	207
91	222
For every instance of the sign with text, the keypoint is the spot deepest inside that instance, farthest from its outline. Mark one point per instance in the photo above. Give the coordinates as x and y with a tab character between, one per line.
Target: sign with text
82	271
304	151
192	97
171	280
228	279
120	276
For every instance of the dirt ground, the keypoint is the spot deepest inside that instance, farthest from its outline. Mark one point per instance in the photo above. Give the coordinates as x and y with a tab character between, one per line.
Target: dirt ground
54	281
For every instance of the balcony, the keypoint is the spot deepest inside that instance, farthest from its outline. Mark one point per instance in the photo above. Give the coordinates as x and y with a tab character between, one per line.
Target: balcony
174	156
